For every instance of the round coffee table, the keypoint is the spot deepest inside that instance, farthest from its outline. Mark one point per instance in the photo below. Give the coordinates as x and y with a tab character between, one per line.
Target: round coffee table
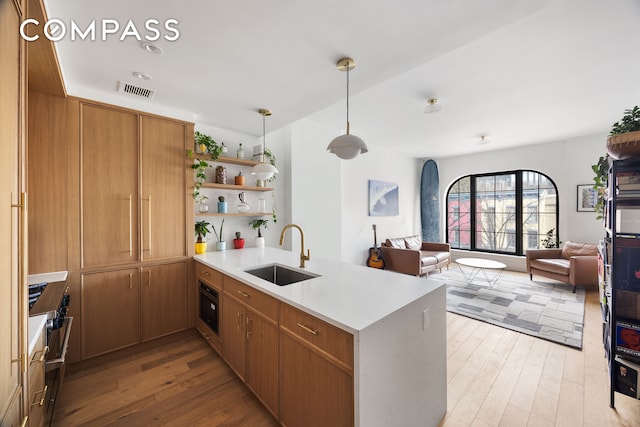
481	265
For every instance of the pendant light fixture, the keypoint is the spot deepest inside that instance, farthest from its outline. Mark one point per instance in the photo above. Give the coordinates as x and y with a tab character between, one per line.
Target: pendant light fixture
264	170
347	146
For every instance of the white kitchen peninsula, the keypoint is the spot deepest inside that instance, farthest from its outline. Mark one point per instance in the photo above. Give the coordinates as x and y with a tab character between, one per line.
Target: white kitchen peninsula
397	322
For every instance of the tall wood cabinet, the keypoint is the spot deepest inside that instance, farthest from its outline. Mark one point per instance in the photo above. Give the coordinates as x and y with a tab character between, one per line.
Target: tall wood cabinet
109	142
121	228
13	309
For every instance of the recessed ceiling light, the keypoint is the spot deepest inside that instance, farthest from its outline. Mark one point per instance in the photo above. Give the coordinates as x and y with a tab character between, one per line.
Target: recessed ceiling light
432	106
152	48
143	76
483	140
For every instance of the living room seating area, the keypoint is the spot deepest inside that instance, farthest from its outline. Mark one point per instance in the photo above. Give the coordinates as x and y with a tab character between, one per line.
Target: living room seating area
575	264
410	255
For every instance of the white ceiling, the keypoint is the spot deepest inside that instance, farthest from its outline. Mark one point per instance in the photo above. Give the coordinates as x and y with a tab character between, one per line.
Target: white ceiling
518	71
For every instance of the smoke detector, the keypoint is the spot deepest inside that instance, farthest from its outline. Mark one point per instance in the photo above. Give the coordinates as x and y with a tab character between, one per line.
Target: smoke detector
137	91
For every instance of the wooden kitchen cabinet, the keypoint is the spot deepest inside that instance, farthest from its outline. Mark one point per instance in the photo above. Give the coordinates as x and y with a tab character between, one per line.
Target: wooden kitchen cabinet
110	305
163	187
163	300
316	371
37	388
109	141
250	339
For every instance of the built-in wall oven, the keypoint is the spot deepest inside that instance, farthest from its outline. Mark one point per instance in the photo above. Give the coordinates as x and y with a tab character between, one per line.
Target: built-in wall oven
209	307
53	300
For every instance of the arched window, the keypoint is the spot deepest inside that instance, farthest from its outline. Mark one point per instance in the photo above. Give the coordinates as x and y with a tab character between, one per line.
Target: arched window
503	212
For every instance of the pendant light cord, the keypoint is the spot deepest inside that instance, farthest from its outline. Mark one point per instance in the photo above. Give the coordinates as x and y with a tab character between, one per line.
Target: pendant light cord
348	69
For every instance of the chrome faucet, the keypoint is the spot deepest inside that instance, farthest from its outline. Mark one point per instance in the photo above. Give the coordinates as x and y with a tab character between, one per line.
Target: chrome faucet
303	257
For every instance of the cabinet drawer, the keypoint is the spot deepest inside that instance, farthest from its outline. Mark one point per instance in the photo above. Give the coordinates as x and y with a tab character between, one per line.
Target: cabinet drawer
252	297
326	337
209	275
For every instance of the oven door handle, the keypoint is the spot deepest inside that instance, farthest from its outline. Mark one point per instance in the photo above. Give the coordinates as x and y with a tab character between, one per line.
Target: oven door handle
52	364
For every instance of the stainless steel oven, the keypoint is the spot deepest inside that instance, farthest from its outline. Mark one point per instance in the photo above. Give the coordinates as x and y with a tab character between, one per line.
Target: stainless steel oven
53	300
209	307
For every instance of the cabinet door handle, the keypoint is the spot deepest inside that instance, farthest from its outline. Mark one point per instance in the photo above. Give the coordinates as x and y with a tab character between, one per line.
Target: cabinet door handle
308	329
130	280
249	329
43	354
130	226
149	225
43	394
239	325
244	294
149	278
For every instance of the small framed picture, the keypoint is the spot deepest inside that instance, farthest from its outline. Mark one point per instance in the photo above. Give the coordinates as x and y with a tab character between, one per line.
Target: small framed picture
587	198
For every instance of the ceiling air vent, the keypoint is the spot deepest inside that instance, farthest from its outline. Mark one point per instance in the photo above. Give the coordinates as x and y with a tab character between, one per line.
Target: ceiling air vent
133	90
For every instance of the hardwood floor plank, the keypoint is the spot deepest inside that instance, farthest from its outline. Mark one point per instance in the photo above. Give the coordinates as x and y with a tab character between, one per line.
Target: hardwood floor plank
496	377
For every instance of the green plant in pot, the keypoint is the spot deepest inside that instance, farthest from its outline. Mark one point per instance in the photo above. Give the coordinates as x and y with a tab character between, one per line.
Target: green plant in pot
222	205
551	241
238	242
201	229
257	224
624	138
200	165
221	245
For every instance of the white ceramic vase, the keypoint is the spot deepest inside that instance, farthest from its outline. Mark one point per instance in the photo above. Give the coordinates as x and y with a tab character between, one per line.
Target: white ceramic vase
259	242
221	246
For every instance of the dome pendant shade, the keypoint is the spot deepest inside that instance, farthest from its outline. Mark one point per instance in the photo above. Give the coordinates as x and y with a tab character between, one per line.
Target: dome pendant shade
347	146
264	170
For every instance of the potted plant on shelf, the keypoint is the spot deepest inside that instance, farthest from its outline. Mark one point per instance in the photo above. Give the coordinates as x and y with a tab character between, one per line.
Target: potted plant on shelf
201	201
257	224
222	205
201	229
200	165
221	245
624	138
238	242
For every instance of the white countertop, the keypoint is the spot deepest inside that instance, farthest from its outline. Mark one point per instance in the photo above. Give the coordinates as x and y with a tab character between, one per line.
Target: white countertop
349	296
35	327
55	276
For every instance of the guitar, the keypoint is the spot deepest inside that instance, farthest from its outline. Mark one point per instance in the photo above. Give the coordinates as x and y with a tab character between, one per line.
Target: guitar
375	259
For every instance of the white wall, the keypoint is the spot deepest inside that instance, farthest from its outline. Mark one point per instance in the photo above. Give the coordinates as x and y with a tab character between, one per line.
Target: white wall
329	196
567	162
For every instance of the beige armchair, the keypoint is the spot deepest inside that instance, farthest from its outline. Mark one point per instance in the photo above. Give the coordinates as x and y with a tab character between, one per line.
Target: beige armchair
575	264
410	255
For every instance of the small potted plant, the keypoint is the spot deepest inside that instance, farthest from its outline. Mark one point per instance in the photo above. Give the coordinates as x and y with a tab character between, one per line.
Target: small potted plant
222	205
239	179
238	242
257	224
551	241
221	245
201	201
624	138
201	229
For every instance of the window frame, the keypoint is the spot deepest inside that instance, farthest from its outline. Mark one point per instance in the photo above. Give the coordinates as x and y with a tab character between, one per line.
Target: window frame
519	192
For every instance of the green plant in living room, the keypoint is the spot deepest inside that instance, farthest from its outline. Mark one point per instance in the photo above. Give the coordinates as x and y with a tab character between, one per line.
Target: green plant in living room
624	138
601	173
551	241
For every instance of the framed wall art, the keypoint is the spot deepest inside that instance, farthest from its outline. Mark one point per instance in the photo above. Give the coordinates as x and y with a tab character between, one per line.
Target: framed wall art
383	198
587	198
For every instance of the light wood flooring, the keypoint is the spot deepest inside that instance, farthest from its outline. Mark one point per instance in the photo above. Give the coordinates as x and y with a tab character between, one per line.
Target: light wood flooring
496	377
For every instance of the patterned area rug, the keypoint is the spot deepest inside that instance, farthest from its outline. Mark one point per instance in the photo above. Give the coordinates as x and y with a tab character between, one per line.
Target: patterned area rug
548	310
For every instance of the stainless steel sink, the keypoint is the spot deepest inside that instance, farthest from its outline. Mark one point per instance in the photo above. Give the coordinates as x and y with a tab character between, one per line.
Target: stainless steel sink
280	275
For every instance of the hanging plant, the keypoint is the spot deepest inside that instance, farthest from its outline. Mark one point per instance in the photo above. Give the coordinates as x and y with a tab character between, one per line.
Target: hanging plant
601	174
200	165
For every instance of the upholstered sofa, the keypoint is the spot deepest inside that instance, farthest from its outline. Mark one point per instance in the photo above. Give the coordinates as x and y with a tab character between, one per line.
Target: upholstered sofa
410	255
575	264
